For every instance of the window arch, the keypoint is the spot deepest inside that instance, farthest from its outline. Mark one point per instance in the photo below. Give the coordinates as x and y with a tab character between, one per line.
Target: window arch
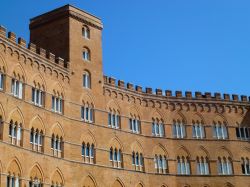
220	130
17	87
15	133
14	174
38	93
114	119
245	166
157	128
36	177
87	112
183	165
138	161
57	179
242	132
57	102
135	124
178	129
202	164
36	139
86	82
115	157
86	54
161	164
225	166
88	152
57	145
86	32
198	130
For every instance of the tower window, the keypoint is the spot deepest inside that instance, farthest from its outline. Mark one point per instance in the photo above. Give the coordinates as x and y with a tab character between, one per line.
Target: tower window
86	54
86	32
86	80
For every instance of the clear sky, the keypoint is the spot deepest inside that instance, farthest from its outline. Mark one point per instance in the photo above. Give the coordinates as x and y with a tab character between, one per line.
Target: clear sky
196	45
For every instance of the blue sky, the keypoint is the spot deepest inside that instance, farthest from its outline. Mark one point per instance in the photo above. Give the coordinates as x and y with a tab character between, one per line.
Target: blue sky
194	45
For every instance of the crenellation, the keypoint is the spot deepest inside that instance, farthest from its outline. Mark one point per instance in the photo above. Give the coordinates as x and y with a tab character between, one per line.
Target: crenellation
149	90
138	88
121	84
42	52
21	42
168	93
86	125
188	94
235	97
130	86
208	95
32	47
105	79
3	31
217	95
198	95
178	94
112	81
60	61
12	36
158	92
51	57
226	97
244	98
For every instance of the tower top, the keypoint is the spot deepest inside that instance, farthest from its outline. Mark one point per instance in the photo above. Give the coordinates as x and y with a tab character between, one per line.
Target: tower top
66	11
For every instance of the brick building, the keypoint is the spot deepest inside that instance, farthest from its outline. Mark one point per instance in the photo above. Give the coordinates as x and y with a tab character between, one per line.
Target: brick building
63	123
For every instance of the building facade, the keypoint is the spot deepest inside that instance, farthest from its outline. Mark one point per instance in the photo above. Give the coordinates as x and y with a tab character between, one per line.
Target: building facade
65	124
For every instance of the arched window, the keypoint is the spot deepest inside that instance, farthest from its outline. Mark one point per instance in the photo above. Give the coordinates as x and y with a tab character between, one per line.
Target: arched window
202	166
225	166
115	157
138	161
245	166
38	95
35	183
86	54
161	164
179	130
198	130
57	103
57	145
220	131
135	124
183	165
87	113
17	88
13	181
2	79
88	153
157	128
243	133
114	119
15	133
86	80
86	32
36	140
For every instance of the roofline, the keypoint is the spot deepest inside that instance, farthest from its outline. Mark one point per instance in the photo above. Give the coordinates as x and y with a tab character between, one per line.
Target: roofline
67	5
